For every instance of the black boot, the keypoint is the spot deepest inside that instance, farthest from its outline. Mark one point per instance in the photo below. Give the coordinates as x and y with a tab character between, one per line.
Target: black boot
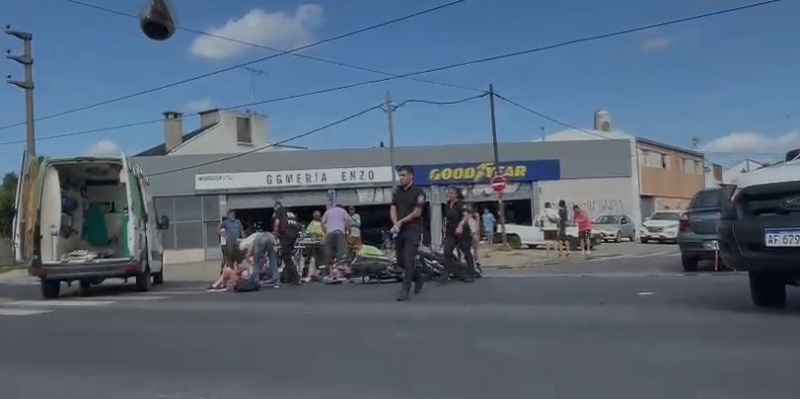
419	281
403	293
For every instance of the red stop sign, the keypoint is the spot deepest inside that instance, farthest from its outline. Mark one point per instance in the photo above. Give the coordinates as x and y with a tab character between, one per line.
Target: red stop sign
499	184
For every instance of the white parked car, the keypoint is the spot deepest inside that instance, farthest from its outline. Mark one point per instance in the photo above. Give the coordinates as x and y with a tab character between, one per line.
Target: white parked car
661	226
532	236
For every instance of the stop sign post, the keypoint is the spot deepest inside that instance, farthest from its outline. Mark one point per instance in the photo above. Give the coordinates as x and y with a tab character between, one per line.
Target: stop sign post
499	184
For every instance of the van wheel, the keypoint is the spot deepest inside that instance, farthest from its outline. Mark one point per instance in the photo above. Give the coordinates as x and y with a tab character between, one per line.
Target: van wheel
85	287
143	280
51	289
768	290
158	278
689	264
514	241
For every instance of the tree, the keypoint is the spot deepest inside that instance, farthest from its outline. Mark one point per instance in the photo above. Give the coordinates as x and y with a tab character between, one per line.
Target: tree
8	198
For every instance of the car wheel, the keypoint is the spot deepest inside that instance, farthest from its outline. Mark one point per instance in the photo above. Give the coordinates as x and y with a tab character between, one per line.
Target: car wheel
158	278
85	287
689	264
618	237
768	290
514	241
143	280
51	289
643	240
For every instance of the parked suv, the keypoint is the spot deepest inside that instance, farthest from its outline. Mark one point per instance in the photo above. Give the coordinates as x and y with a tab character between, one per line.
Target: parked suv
759	230
697	231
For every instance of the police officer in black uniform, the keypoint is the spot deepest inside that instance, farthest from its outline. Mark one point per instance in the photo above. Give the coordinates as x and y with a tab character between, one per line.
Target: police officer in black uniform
457	236
287	228
408	201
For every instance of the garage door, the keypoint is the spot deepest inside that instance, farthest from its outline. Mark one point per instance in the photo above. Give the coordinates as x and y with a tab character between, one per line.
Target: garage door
267	200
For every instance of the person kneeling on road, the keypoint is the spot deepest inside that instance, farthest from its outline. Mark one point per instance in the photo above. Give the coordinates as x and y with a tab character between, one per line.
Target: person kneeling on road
255	248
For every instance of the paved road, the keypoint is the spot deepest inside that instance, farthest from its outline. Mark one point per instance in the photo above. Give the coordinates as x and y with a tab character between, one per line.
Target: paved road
546	337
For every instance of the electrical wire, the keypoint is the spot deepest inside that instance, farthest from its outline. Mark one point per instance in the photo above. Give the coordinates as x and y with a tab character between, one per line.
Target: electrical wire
152	121
241	65
281	51
241	154
437	69
592	133
455	65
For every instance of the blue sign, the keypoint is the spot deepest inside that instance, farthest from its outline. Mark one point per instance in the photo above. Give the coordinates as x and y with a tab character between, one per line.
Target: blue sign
481	173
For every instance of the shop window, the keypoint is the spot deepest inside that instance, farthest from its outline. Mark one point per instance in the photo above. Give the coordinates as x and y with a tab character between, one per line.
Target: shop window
188	235
188	209
165	207
244	133
211	207
168	237
212	233
664	161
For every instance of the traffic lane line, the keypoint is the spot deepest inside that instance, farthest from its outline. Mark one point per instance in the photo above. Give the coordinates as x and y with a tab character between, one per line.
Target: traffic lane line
58	303
23	312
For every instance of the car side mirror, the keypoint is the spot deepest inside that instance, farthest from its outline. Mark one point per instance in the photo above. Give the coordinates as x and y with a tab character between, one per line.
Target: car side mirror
163	224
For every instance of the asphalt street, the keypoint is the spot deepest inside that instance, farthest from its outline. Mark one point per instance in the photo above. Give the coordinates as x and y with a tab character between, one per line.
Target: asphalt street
656	336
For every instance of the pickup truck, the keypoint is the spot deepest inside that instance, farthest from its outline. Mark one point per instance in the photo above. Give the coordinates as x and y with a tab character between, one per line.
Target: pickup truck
533	236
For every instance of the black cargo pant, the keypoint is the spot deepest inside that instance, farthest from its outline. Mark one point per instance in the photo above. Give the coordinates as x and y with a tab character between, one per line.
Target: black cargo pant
452	264
290	273
406	246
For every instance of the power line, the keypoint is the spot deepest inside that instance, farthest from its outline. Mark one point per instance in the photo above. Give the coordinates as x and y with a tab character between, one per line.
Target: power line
153	121
592	133
241	154
458	65
230	68
281	51
310	132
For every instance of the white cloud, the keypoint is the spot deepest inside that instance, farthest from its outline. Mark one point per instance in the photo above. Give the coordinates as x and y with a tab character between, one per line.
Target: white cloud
198	106
104	148
743	143
655	43
273	29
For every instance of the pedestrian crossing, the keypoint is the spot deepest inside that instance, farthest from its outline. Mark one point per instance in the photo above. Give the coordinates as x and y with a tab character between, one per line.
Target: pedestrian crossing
12	307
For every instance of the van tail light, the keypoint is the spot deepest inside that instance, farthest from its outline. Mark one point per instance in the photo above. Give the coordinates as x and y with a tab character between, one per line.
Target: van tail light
684	224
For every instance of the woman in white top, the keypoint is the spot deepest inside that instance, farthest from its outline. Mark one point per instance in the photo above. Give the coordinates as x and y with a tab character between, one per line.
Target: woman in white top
475	228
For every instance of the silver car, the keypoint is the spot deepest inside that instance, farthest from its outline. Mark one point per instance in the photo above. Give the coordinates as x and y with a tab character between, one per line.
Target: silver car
615	227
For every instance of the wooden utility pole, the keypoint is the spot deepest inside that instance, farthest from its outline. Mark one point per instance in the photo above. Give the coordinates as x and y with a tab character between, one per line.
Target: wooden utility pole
500	206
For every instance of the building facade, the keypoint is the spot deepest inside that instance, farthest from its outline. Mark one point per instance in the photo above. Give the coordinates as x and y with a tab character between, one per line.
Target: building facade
195	191
669	176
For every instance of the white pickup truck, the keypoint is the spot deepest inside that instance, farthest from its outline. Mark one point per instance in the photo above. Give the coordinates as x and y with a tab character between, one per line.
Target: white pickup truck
533	236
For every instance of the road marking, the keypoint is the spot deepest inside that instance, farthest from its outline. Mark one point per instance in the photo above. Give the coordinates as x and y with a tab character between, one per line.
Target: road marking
122	298
23	312
66	303
673	254
646	293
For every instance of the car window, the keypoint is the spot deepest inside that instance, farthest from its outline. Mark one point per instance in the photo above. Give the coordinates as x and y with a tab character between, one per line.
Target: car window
606	219
665	216
706	199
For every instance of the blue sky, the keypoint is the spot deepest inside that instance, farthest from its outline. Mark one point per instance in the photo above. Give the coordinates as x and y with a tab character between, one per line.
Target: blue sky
709	78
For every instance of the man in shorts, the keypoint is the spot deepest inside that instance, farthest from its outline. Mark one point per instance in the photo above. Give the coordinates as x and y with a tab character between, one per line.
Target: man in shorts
548	221
233	231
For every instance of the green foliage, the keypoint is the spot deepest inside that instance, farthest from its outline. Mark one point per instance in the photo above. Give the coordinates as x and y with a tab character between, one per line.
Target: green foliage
8	197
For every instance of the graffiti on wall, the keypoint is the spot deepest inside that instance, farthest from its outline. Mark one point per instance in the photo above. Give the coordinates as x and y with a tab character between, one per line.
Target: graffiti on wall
596	207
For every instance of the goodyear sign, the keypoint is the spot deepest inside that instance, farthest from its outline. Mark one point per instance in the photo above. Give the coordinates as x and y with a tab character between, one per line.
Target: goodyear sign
481	173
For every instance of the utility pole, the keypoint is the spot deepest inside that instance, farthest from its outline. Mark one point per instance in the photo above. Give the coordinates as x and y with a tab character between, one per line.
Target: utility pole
26	59
390	124
500	206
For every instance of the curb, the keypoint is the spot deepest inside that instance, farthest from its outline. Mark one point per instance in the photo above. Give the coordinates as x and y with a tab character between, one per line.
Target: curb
552	262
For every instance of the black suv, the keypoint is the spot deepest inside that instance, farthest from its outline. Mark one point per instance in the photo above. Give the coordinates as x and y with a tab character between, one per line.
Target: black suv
759	232
697	234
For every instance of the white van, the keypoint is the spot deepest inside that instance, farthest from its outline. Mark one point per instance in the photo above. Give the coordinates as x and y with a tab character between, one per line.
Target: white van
87	219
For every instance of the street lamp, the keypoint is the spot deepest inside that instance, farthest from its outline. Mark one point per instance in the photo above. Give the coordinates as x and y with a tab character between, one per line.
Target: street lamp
157	20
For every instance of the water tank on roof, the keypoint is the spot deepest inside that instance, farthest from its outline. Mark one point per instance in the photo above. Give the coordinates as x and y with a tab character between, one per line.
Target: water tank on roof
792	155
602	121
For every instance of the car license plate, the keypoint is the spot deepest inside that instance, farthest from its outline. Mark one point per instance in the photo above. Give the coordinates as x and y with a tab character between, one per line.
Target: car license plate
777	238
